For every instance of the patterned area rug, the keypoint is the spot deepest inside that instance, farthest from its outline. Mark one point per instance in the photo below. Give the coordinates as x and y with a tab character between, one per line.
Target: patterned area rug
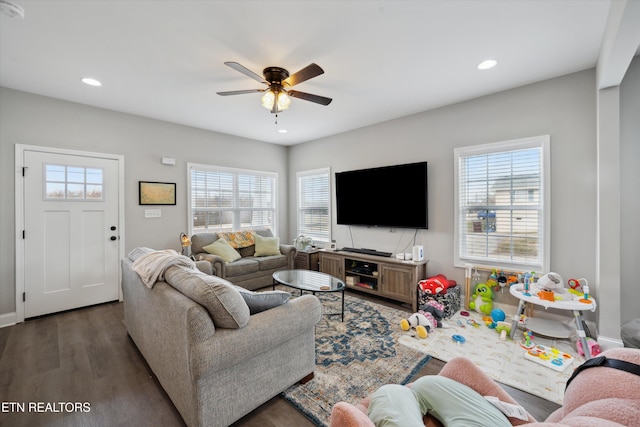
504	361
354	358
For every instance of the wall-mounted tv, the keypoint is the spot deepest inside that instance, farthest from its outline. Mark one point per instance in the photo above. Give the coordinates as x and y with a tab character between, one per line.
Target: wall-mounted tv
389	196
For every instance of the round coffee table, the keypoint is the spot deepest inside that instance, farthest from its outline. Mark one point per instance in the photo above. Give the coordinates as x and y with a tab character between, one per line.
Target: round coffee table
310	281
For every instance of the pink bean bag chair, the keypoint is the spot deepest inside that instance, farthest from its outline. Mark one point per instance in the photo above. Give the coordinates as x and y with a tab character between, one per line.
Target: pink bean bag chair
597	397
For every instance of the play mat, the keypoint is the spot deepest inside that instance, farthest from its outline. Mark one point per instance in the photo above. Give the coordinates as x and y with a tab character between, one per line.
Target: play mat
504	361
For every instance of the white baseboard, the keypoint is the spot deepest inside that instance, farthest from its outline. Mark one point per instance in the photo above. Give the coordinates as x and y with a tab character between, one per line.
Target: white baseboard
607	343
8	319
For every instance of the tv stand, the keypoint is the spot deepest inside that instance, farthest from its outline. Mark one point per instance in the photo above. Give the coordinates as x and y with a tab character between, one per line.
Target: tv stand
377	275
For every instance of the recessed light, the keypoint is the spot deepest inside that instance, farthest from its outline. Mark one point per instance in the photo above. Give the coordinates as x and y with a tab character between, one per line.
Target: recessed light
91	82
489	63
282	131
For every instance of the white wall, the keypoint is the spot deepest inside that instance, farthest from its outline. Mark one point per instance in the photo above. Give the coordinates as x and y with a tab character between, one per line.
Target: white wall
564	107
630	190
36	120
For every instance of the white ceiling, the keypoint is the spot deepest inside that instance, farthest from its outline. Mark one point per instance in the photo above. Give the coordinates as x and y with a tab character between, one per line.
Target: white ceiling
382	59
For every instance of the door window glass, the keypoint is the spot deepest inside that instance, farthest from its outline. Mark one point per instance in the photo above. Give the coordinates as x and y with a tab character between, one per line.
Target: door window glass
73	183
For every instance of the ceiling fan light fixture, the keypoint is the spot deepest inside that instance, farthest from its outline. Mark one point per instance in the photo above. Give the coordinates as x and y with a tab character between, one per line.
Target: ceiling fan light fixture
283	101
267	99
277	96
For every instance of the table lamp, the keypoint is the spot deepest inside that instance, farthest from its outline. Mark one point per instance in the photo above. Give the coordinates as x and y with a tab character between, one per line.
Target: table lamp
185	242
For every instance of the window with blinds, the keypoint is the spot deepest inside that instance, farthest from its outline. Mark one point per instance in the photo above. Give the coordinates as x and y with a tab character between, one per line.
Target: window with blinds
502	203
225	199
314	214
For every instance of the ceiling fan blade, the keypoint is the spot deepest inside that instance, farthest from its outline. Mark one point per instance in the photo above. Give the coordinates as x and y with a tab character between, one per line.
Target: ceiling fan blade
310	97
240	92
247	72
308	72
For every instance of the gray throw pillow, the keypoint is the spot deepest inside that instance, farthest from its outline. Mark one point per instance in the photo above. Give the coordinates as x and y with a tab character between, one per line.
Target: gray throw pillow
261	301
219	297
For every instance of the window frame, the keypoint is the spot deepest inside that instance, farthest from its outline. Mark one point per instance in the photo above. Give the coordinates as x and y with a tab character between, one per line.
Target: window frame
300	176
235	172
543	143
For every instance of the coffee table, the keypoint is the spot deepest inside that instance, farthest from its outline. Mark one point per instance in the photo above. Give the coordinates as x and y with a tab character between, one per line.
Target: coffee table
310	281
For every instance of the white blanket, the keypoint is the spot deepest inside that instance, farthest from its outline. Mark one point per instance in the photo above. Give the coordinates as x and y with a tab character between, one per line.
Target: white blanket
152	266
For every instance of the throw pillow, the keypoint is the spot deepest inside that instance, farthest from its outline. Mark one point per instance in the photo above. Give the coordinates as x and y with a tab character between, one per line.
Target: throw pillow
238	239
219	297
261	301
266	246
223	249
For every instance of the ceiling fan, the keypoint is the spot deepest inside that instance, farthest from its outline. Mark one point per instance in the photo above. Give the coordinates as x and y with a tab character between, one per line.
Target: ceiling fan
278	80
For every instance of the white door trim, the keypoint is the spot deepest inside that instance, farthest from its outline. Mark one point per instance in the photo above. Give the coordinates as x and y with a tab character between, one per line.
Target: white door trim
19	212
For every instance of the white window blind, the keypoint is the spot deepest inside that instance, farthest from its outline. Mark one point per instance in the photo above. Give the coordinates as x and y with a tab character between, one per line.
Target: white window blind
314	214
502	204
225	199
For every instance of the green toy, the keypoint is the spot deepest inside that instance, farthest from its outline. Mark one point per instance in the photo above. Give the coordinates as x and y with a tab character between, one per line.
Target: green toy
482	299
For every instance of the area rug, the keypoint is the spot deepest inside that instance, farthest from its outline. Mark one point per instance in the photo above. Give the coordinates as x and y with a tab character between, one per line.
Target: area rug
354	357
504	361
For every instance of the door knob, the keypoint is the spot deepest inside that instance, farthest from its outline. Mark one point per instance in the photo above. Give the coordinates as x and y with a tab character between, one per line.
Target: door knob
113	227
113	237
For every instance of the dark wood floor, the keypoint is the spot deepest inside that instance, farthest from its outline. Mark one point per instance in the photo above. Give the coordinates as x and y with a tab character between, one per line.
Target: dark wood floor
85	355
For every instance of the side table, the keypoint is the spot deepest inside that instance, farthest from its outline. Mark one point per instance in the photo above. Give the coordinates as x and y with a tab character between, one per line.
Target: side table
307	260
572	304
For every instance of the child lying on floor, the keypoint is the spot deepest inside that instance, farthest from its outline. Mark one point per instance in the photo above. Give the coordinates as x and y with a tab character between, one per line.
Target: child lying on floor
452	403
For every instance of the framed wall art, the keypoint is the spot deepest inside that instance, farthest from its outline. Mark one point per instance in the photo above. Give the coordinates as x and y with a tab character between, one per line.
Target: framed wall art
157	193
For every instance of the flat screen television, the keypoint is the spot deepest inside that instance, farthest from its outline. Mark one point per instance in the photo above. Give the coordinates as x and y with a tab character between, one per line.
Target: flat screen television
389	196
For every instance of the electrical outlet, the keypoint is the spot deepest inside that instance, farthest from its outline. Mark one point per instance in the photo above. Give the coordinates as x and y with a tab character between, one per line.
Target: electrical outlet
152	213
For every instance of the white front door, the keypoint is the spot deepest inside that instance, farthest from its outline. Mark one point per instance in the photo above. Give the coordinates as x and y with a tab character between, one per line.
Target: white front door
71	231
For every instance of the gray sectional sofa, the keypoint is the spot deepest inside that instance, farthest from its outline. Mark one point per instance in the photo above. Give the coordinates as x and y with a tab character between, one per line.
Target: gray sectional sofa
250	272
216	360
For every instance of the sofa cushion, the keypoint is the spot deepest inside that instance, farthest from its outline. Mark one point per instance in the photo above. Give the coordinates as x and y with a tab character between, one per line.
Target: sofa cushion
241	267
261	301
138	252
220	298
238	239
223	249
267	246
271	262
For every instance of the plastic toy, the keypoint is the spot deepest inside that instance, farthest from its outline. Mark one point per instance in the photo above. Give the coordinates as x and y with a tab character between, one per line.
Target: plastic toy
550	357
458	339
497	315
526	284
473	323
527	341
547	296
503	327
575	286
594	347
492	281
482	299
585	298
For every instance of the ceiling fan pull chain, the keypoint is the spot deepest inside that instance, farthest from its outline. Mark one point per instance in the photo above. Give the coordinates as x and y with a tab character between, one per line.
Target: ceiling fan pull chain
276	119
